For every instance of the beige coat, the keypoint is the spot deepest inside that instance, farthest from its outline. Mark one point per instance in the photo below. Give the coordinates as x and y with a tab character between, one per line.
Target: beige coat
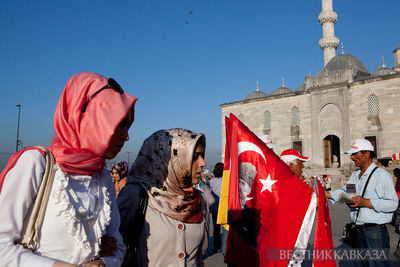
165	241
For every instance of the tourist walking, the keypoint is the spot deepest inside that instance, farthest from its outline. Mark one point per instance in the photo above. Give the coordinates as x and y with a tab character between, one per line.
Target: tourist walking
215	184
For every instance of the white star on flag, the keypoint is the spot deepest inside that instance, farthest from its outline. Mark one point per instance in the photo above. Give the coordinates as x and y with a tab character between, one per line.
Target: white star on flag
267	183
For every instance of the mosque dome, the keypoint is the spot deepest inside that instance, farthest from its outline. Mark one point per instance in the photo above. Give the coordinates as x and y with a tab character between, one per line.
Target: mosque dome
382	71
281	90
346	61
256	94
301	88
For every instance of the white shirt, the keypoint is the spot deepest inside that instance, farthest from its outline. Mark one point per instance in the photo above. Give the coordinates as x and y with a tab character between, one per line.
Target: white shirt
380	191
81	209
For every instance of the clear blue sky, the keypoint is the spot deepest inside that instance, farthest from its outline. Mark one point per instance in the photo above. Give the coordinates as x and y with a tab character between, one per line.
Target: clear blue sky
181	58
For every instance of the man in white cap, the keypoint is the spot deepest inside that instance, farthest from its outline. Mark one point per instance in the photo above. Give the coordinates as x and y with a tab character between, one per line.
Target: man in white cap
267	140
378	203
294	160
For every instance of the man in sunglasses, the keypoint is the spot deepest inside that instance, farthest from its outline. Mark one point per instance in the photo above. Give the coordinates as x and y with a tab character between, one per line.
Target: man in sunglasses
370	210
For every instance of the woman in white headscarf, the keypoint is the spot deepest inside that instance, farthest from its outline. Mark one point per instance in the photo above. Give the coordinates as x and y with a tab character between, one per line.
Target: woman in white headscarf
174	229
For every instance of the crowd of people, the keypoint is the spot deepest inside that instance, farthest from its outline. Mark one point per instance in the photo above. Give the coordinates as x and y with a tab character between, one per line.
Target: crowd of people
156	213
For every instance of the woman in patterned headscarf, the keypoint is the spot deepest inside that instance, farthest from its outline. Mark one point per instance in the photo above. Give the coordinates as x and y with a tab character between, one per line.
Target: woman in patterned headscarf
119	173
175	228
91	123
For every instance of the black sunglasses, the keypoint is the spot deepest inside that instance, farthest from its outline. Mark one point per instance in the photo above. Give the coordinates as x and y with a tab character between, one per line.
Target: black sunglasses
111	83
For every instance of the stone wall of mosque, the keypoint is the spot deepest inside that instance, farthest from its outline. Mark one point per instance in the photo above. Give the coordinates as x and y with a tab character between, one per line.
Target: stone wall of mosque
368	108
329	116
280	108
374	110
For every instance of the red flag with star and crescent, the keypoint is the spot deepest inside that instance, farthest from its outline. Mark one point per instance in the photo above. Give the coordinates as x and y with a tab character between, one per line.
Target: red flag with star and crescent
282	206
323	233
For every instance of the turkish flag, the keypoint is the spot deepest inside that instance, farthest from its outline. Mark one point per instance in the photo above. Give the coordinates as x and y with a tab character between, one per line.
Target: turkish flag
323	233
222	218
281	205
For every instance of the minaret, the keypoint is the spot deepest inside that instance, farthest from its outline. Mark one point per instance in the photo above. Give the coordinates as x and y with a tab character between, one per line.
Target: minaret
329	42
383	62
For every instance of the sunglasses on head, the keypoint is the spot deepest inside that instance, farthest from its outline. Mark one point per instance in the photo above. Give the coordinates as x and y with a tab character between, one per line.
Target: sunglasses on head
111	83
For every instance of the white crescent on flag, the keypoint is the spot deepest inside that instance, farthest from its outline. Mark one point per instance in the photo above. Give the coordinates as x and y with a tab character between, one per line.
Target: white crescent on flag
248	146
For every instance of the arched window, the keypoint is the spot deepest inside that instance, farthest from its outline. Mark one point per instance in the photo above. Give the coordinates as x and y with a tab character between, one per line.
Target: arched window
295	121
373	107
267	120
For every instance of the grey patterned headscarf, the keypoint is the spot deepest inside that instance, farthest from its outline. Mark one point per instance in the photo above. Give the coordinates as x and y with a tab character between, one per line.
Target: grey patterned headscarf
164	167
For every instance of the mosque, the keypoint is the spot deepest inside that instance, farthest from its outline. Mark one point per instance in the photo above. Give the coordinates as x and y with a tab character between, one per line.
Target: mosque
321	118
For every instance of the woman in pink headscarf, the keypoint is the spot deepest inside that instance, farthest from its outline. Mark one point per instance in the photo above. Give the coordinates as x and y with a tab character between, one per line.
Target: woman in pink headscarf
91	124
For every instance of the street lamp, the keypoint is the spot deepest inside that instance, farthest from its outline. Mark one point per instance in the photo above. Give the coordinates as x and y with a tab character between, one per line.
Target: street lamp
19	114
128	152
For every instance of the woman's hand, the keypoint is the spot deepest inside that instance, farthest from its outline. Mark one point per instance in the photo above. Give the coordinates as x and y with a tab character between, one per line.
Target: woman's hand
95	263
61	264
108	246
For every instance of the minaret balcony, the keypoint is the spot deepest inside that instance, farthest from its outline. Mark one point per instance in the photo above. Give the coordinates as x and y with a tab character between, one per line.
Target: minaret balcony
327	42
327	16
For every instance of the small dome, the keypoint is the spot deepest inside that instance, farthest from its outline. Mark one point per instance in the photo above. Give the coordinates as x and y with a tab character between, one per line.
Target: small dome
382	71
281	91
256	94
301	88
344	61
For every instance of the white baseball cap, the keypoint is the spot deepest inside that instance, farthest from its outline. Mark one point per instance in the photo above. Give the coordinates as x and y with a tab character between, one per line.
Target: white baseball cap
360	145
267	140
291	154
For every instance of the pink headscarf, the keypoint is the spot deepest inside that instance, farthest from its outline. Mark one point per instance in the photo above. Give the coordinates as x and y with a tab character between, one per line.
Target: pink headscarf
81	139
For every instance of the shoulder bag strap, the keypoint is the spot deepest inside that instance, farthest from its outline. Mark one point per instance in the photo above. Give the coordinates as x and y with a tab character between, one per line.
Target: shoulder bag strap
365	187
31	236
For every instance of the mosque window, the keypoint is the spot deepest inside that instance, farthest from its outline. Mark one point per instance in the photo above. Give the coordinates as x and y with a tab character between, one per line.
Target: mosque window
373	107
295	121
295	116
267	120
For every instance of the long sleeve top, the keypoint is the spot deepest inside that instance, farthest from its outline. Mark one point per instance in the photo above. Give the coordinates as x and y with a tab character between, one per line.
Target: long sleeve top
380	190
164	241
81	209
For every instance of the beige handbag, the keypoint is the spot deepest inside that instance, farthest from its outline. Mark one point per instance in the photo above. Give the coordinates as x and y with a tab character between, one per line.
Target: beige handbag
31	235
